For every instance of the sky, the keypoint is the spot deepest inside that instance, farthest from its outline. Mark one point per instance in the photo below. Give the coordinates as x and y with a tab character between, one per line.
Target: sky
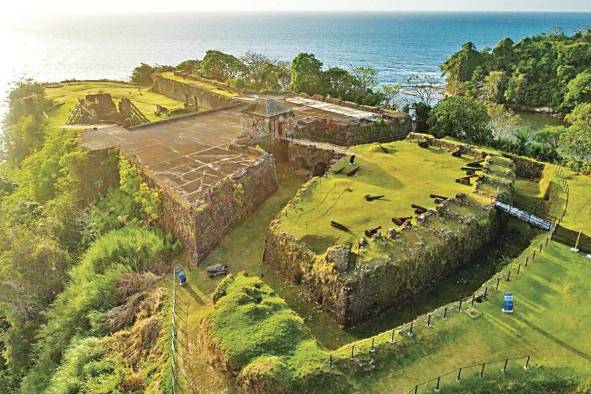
44	7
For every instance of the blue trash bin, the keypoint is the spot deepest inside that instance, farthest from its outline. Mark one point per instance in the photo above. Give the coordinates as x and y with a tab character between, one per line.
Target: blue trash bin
507	302
182	277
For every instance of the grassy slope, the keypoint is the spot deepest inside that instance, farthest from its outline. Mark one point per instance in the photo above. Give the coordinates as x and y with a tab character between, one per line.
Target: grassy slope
200	84
143	98
406	175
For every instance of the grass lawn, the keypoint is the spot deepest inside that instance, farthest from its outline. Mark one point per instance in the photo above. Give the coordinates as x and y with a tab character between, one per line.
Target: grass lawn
200	84
69	93
578	214
406	175
551	321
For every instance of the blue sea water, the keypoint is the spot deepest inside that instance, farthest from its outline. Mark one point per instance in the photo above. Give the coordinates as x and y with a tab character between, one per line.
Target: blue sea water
396	44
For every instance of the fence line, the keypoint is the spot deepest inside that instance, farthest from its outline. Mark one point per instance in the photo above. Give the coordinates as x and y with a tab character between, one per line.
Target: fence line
481	369
442	313
173	333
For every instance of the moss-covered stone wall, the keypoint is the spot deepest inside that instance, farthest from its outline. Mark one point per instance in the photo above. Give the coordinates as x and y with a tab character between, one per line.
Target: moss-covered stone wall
233	199
186	93
352	285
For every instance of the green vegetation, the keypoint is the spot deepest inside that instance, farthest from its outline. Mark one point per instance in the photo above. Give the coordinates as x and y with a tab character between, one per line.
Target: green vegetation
518	381
72	255
254	333
548	70
405	175
66	95
460	117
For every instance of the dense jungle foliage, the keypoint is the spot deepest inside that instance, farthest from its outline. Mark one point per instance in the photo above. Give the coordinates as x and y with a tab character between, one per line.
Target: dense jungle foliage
551	72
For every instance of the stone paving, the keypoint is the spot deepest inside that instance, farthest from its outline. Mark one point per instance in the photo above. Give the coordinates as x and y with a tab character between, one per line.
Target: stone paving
190	154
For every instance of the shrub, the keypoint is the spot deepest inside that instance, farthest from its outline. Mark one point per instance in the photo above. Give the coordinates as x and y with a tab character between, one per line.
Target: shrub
460	117
91	290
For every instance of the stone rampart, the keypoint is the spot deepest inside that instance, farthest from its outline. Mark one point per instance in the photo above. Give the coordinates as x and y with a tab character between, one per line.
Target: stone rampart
228	203
352	287
186	93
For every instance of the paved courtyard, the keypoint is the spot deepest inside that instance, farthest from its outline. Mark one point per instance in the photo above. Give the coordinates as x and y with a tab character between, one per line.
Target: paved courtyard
190	154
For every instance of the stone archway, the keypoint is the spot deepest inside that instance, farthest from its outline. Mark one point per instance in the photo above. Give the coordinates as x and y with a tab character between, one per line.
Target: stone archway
320	168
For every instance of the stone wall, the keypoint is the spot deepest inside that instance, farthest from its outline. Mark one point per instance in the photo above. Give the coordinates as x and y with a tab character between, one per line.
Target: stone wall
316	159
233	201
526	167
447	144
352	288
348	134
201	228
186	93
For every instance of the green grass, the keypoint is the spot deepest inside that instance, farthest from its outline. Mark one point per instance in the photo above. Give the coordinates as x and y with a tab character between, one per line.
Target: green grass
578	214
69	93
552	315
258	336
537	121
200	84
406	175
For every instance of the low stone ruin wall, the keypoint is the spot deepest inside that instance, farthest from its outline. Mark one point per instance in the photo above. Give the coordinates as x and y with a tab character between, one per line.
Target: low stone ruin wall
187	93
447	144
201	228
317	159
526	167
394	129
352	290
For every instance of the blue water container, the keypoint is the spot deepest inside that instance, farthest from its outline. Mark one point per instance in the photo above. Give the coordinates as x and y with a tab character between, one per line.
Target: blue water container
182	277
507	302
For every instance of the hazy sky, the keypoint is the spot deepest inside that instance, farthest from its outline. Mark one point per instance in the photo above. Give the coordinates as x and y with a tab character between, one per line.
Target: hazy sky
21	7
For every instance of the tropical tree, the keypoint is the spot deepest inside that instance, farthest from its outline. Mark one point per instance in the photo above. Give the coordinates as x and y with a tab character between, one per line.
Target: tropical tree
461	117
220	66
578	90
424	87
459	67
306	74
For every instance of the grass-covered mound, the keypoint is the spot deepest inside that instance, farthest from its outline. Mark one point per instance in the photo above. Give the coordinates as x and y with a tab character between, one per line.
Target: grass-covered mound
252	333
402	171
98	284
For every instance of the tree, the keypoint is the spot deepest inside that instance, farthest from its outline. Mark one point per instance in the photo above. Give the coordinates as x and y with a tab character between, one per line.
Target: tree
460	66
188	65
461	117
367	78
575	147
306	74
142	74
424	87
220	66
578	90
503	122
494	86
339	83
391	93
262	73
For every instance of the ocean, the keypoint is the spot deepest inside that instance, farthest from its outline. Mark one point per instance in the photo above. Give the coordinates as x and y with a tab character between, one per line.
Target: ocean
397	44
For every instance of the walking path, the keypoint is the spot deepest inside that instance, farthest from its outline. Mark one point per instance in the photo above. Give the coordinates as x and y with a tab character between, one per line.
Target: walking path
525	216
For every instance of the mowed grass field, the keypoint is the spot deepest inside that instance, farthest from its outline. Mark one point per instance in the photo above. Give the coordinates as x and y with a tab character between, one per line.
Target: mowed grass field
69	93
406	175
551	322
